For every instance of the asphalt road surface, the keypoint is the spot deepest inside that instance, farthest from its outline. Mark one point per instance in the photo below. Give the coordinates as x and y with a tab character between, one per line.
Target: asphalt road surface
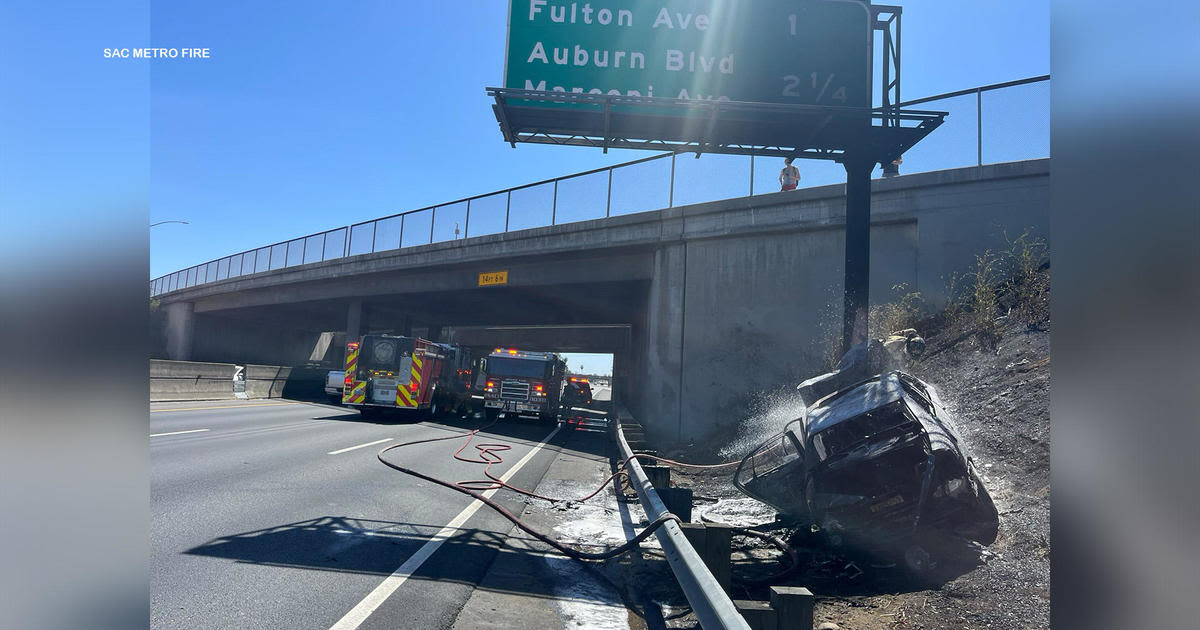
276	514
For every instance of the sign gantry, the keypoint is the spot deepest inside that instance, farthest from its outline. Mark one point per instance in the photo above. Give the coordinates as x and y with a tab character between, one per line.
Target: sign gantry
789	78
750	77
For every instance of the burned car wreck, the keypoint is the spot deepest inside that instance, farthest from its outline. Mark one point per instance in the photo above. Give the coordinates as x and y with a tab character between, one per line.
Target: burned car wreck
877	466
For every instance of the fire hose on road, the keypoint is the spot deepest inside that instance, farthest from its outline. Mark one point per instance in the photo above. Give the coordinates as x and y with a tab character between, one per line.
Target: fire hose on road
489	454
711	604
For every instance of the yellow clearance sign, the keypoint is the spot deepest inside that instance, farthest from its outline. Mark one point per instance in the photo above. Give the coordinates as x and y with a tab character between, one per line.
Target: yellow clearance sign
493	277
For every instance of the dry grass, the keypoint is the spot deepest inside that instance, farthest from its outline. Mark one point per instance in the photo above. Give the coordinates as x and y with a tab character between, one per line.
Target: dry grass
1011	284
905	312
1004	285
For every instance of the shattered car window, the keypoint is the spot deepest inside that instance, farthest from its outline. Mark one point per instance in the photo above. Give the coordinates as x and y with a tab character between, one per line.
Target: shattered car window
849	434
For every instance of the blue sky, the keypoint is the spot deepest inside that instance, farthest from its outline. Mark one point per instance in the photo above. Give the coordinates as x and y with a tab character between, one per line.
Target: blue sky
315	115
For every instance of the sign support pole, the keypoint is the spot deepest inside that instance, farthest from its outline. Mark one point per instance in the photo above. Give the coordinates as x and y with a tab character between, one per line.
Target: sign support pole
858	249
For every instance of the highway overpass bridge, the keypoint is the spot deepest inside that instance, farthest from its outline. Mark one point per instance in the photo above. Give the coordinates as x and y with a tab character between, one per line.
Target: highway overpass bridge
702	306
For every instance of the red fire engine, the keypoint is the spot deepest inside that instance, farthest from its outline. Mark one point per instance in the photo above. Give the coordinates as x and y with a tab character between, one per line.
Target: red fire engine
417	376
523	383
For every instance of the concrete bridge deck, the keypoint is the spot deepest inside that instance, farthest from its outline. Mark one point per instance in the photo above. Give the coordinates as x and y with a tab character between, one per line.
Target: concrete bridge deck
701	305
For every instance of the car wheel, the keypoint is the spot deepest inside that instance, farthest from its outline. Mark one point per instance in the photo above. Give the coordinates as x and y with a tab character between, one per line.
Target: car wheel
918	561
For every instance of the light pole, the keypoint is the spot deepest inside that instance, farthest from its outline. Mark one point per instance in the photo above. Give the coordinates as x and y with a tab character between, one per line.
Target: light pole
169	221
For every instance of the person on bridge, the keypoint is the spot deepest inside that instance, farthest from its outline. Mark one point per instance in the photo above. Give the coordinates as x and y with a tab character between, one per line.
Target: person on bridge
893	168
789	176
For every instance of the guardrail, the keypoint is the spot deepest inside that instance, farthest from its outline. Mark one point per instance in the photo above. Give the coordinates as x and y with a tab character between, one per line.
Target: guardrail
711	605
646	184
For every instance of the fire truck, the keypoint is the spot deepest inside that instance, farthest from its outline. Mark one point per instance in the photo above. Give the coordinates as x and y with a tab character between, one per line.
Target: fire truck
386	373
523	383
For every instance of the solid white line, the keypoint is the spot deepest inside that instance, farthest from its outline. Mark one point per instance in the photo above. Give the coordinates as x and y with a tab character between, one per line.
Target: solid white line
224	407
177	432
340	451
375	598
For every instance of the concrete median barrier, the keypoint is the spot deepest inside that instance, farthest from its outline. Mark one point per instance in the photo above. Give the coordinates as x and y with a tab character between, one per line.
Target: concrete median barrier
266	381
190	380
193	380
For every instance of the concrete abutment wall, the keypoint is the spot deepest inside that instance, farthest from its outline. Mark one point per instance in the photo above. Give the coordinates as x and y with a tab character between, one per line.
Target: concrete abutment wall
725	301
748	301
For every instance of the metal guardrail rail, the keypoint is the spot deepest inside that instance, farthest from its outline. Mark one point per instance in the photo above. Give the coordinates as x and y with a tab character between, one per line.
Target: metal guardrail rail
421	226
712	606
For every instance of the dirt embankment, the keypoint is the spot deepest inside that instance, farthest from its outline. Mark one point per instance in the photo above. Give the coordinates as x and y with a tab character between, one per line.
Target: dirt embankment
995	379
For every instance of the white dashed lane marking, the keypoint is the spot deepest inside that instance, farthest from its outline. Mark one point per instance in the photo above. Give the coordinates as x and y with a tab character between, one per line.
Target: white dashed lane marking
177	432
351	448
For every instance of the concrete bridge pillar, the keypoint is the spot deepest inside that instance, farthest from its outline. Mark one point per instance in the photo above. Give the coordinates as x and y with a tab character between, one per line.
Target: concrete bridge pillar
622	380
661	346
181	330
354	320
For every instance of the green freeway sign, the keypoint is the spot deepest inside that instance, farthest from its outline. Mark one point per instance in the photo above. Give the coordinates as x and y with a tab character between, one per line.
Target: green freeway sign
812	52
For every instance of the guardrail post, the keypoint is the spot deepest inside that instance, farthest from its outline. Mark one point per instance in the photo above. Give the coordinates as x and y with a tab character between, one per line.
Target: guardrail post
467	221
713	543
507	209
634	432
793	606
718	547
324	242
758	614
660	476
432	222
678	502
554	204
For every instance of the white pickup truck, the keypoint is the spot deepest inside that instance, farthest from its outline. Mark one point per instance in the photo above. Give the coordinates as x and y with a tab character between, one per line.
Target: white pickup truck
335	382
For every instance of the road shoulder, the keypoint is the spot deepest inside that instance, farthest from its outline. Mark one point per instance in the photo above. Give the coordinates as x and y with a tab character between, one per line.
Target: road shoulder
533	588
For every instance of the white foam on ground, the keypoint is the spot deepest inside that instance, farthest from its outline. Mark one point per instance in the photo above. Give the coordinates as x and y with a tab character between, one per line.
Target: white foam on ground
595	522
583	600
742	512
